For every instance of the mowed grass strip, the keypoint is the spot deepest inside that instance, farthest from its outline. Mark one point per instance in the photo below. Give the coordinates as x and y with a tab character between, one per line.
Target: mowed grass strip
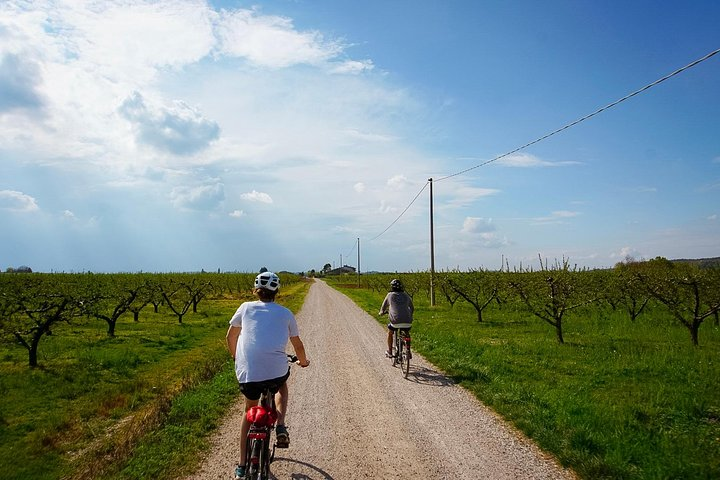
139	405
621	399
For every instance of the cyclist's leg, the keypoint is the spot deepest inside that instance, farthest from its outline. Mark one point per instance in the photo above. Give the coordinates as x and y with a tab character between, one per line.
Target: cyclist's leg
281	402
251	391
245	427
390	341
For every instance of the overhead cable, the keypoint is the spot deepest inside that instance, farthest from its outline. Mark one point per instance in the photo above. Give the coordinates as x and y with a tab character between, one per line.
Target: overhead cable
401	214
354	247
554	132
586	117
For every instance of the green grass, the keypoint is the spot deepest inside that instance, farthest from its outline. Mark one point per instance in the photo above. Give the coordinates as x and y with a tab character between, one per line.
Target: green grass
619	400
148	397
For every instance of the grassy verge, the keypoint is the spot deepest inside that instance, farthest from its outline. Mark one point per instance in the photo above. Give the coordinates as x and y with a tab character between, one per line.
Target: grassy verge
621	399
139	405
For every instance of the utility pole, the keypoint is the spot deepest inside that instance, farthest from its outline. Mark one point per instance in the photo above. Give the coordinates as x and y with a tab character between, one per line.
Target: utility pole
432	248
358	271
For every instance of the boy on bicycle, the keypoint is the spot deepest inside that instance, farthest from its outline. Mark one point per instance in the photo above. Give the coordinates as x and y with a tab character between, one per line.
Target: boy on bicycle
258	334
398	304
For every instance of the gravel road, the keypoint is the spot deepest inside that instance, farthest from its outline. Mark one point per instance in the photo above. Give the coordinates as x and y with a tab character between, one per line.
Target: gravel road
352	415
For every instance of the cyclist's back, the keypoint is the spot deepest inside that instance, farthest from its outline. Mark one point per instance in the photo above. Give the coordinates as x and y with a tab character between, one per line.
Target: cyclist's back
399	307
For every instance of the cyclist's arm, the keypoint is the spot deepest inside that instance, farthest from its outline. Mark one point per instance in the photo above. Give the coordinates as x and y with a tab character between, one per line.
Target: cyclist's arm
299	351
231	339
385	305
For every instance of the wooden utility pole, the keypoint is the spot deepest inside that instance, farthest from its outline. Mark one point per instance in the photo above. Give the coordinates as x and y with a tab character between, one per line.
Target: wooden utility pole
432	249
358	270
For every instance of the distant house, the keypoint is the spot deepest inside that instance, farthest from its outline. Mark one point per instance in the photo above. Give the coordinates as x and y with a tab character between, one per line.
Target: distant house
341	270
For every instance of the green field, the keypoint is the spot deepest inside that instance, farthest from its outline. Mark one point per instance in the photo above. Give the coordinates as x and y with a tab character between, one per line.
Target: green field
618	400
136	406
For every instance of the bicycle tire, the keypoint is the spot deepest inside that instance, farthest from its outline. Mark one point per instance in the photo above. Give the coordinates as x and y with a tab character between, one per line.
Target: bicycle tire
406	360
399	350
264	472
395	350
251	468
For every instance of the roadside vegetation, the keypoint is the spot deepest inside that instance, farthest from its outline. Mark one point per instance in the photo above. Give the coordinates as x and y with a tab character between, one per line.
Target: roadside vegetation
116	376
614	372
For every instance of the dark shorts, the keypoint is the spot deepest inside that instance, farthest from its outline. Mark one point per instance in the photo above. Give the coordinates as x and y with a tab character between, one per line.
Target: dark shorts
253	390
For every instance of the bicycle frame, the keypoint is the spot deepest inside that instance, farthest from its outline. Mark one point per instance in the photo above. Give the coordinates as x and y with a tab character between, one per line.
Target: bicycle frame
262	418
258	455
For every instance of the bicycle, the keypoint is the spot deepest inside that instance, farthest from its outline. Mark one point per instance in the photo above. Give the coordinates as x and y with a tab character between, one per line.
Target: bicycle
402	356
262	418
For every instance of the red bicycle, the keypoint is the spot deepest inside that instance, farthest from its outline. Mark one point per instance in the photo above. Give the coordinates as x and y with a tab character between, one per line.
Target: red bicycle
262	417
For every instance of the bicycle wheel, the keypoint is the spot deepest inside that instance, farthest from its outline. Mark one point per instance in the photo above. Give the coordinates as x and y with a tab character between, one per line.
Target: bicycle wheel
252	464
394	349
264	472
399	350
406	359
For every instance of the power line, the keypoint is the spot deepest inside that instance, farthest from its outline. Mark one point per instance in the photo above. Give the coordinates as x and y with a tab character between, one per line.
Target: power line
401	214
354	247
554	132
586	117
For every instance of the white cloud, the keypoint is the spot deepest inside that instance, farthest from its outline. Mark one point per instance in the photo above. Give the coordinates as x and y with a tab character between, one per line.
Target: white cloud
477	225
710	186
130	40
525	160
359	187
203	197
387	208
480	232
556	217
19	79
627	252
461	194
256	196
644	189
15	201
353	67
237	213
713	217
271	41
369	137
178	129
398	182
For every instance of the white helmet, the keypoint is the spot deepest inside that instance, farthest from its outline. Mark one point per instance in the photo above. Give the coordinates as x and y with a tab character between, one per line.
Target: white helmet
268	281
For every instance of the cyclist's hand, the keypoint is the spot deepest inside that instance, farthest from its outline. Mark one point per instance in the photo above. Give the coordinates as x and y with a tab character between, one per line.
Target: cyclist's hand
304	364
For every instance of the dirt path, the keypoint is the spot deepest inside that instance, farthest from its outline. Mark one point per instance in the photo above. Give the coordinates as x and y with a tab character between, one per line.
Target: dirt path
352	415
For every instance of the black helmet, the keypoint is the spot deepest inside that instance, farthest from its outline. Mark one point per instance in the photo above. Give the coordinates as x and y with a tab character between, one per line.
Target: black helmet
396	285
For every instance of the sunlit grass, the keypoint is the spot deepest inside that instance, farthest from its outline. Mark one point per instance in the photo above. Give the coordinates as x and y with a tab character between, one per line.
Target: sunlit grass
620	399
88	409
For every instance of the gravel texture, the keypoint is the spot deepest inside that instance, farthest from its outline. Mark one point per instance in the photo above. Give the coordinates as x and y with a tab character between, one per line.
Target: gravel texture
352	415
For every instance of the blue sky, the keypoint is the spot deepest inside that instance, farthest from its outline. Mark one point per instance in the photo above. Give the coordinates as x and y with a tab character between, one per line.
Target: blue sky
188	135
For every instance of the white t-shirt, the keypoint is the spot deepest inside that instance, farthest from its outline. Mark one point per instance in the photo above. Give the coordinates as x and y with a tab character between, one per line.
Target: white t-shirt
266	329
